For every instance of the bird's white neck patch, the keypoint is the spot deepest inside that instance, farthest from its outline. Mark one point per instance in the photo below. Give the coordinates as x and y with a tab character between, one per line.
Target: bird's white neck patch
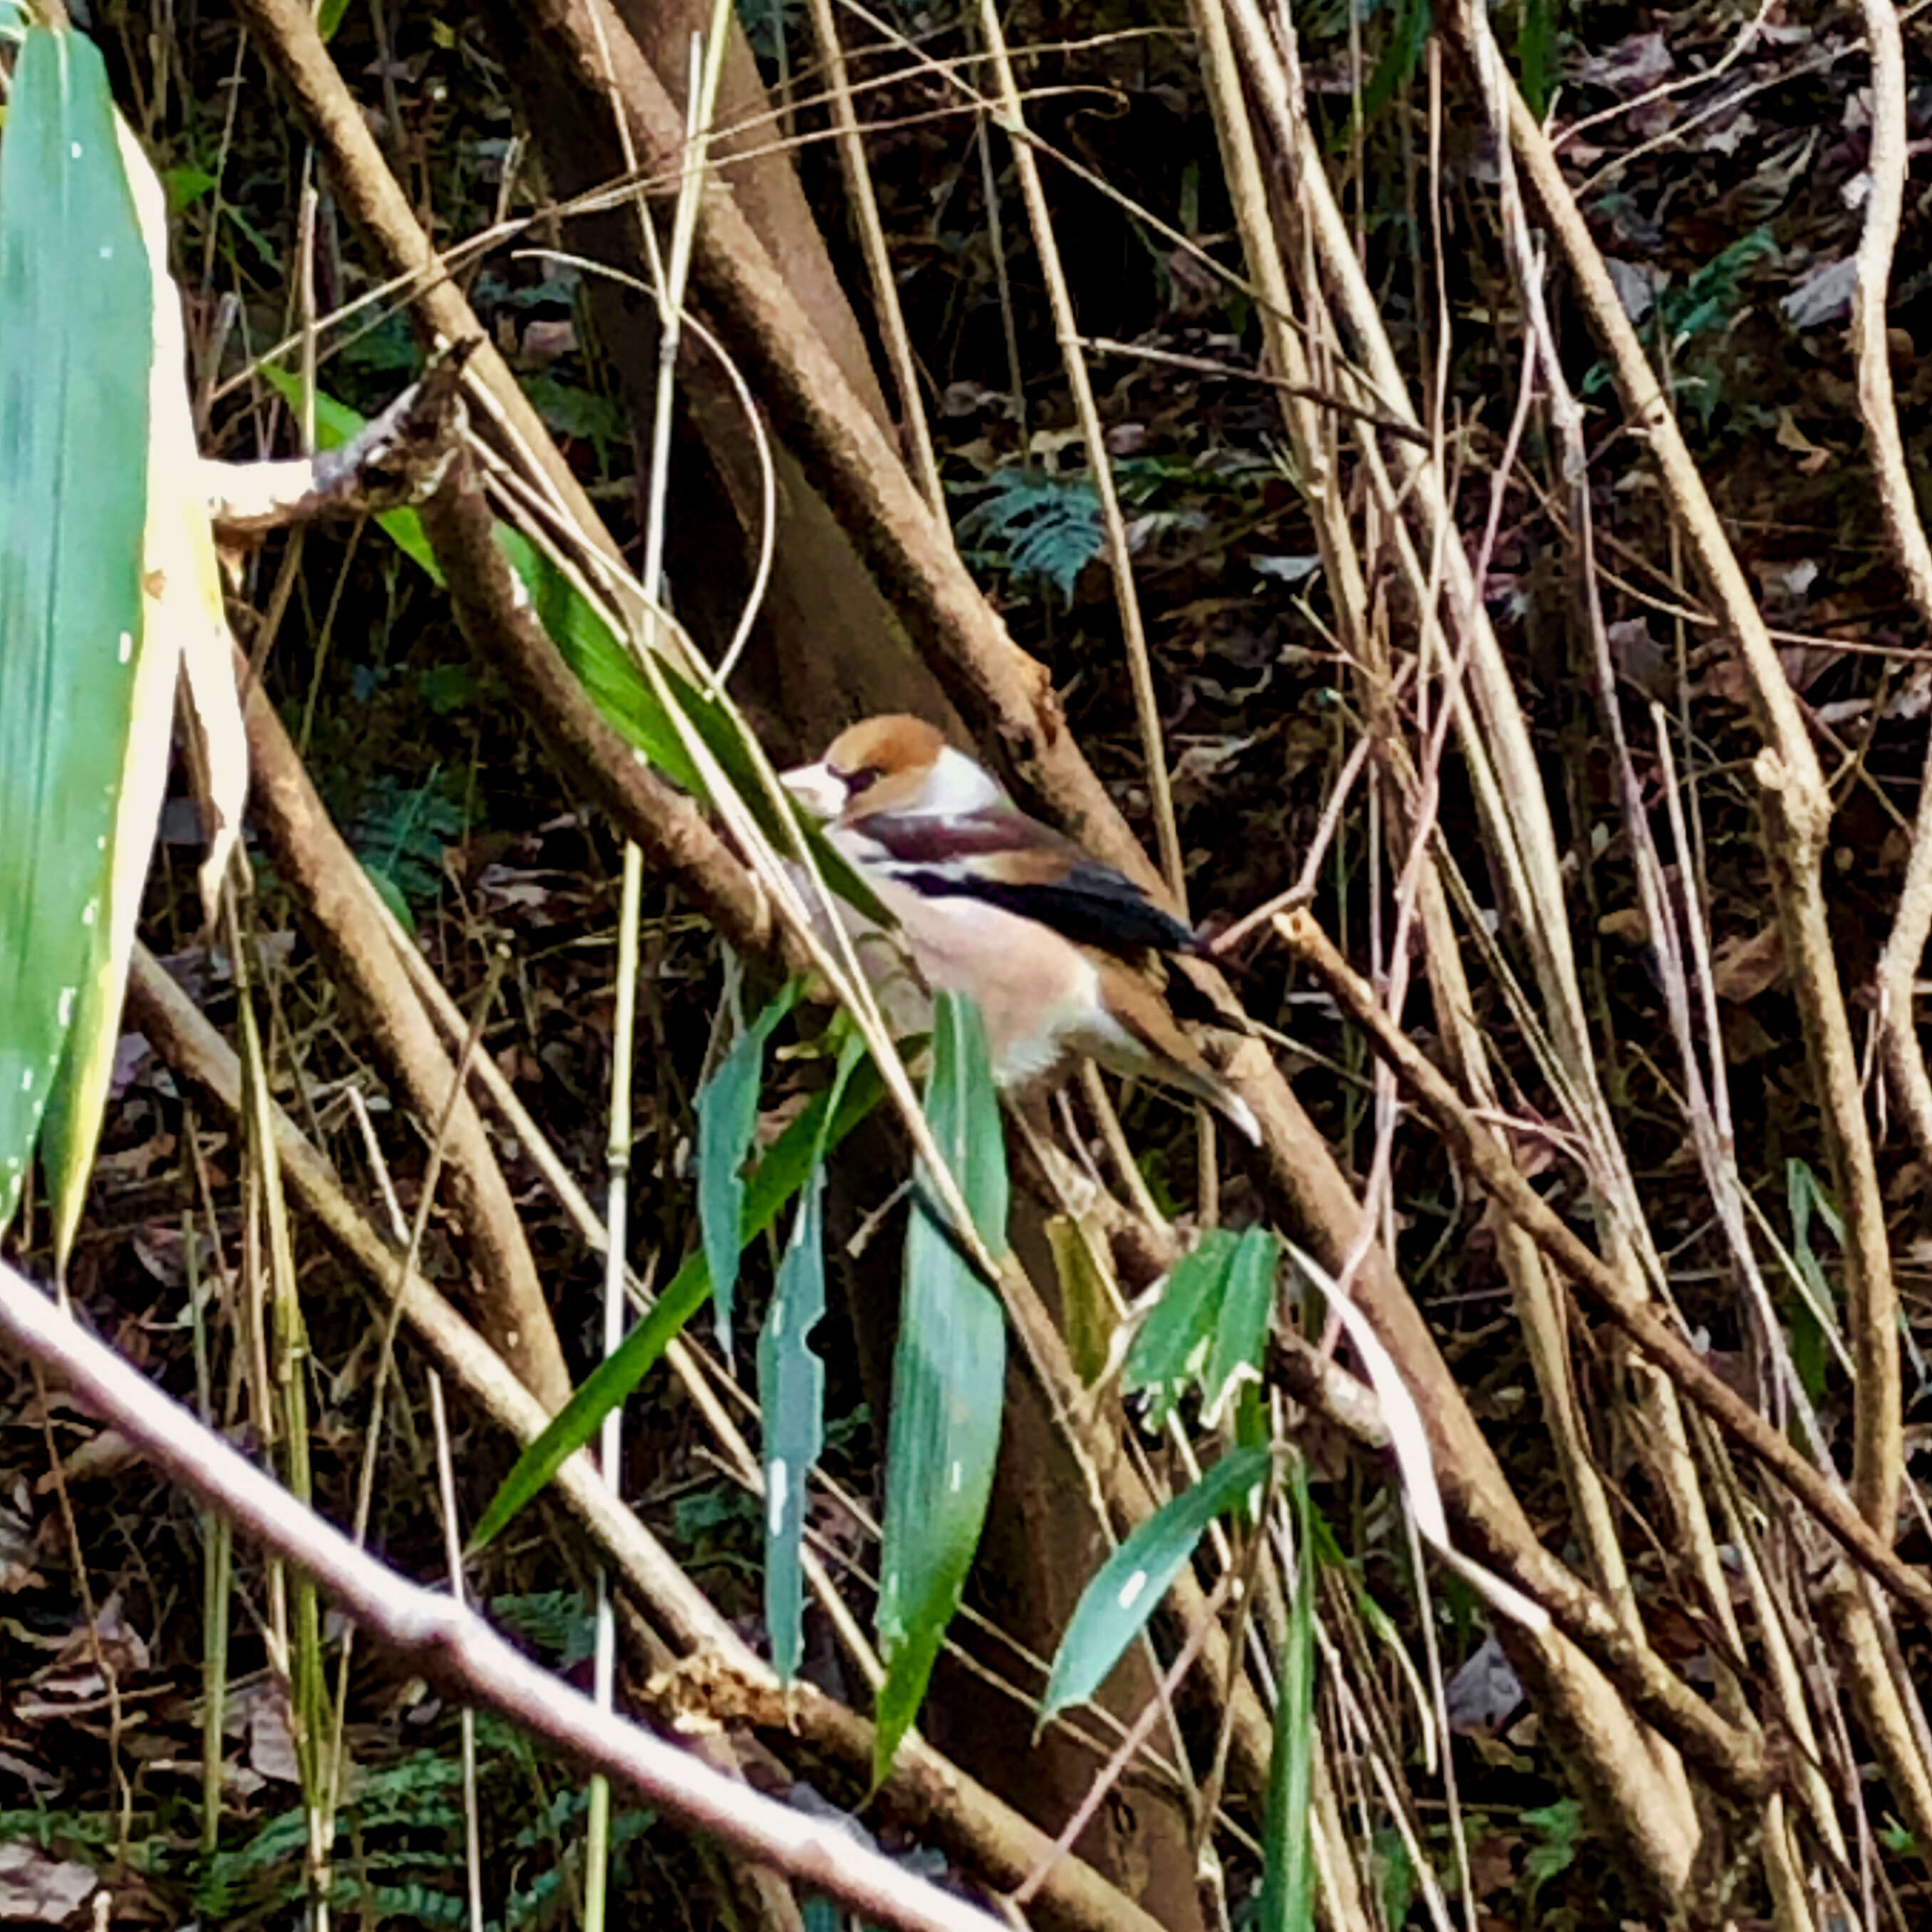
957	785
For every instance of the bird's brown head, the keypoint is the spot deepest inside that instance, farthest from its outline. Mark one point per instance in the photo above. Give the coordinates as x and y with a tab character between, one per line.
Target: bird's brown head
892	764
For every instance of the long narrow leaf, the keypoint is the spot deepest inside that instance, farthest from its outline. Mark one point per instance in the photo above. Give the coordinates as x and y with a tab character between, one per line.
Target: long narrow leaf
776	1179
1288	1880
76	345
183	625
1241	1329
949	1380
1114	1608
791	1392
727	1116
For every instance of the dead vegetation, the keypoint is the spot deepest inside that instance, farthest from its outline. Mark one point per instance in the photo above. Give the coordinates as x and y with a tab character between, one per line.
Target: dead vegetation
1438	501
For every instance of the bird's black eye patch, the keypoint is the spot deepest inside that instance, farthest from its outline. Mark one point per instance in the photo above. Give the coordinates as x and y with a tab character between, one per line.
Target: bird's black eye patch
863	779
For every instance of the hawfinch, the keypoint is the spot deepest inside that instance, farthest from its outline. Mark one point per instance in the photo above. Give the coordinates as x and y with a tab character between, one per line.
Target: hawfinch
993	904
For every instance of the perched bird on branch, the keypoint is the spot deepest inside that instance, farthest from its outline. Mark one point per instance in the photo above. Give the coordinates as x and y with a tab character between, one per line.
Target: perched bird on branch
1049	941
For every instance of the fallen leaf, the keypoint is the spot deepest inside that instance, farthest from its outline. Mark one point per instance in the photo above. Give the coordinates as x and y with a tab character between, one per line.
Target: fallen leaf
37	1889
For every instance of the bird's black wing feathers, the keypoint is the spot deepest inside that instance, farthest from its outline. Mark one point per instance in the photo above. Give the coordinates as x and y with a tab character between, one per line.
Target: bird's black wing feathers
1015	863
1092	905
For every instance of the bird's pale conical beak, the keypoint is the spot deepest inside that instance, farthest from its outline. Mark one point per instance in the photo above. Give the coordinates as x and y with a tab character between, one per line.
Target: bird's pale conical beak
818	789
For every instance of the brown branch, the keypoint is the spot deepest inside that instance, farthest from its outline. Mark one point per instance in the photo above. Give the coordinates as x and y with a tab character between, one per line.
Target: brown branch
392	459
1797	808
502	630
333	895
453	1645
925	1789
197	1054
1905	945
1595	1278
285	31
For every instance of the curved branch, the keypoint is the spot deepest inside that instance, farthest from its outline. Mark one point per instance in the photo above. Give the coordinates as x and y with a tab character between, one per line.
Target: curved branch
452	1644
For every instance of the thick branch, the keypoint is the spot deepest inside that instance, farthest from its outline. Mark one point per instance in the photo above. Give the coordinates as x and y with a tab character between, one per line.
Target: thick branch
503	631
453	1644
329	887
922	1786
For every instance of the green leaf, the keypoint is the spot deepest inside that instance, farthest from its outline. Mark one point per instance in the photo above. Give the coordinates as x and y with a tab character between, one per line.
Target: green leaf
1241	1328
608	670
1172	1345
1288	1878
185	186
778	1177
77	351
1814	1312
949	1378
727	1116
1536	53
791	1392
1114	1608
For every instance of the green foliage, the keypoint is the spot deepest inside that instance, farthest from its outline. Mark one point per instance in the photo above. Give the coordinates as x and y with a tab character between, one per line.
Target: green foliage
1032	524
1560	1829
1210	1324
727	1116
1536	53
1114	1607
791	1392
1695	318
560	1624
1288	1882
400	831
949	1378
77	343
393	1834
1813	1315
778	1177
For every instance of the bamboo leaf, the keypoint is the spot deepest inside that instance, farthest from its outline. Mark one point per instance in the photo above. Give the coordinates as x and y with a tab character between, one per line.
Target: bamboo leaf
1288	1879
1241	1327
76	345
1172	1345
184	624
791	1392
1114	1607
727	1116
777	1178
949	1379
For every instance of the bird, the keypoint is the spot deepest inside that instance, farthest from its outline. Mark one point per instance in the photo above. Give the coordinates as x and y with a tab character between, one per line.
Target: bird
1048	939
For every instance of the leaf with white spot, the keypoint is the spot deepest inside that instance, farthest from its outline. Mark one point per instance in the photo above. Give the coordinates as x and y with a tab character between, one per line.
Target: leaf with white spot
77	349
784	1170
791	1392
949	1378
1114	1608
1288	1878
1171	1347
183	625
1241	1328
727	1116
